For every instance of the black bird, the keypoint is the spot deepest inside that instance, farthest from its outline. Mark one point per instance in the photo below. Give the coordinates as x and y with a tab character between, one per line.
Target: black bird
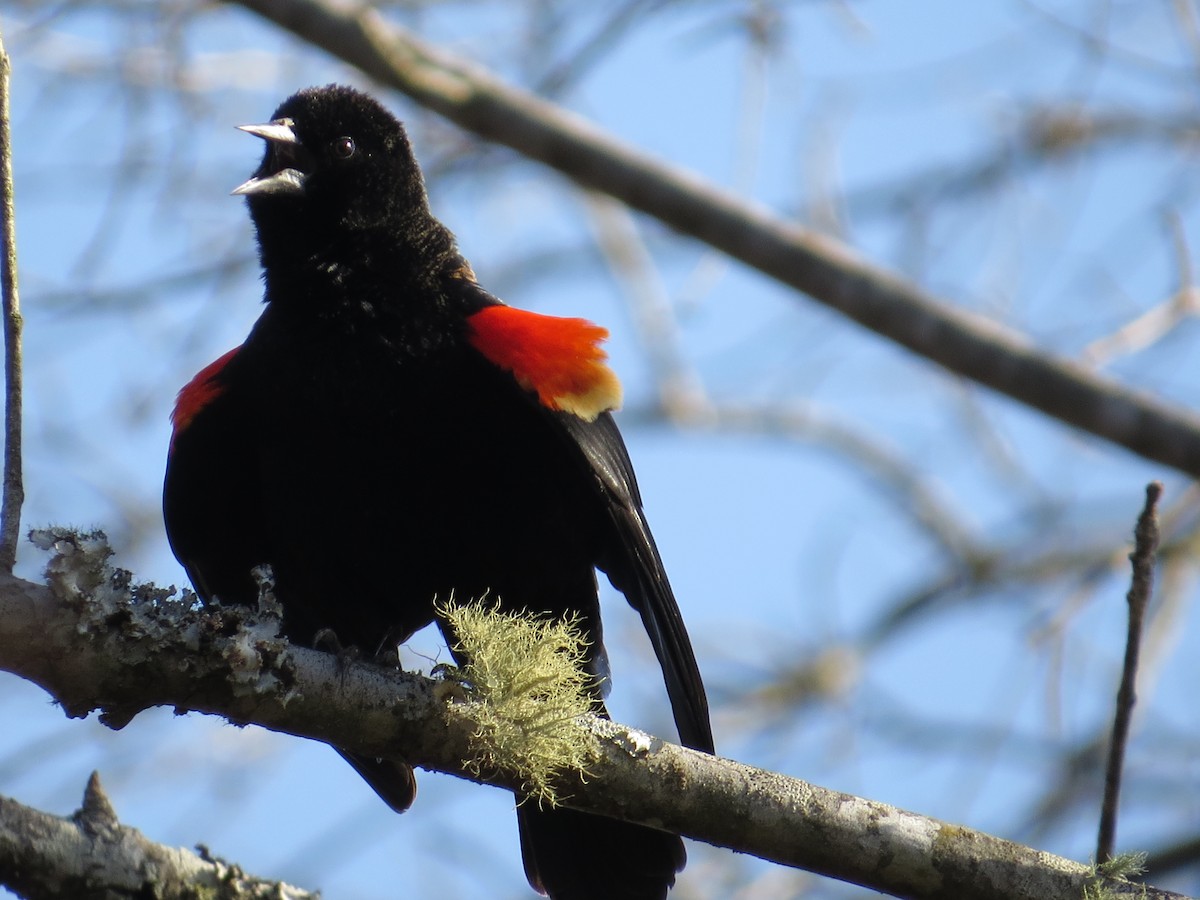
386	406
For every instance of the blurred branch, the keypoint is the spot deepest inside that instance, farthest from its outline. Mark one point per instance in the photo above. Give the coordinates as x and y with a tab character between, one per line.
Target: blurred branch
1145	547
1181	855
1148	328
95	642
830	272
684	400
1049	557
681	392
84	300
1041	136
1158	321
912	493
1189	26
619	18
14	489
91	854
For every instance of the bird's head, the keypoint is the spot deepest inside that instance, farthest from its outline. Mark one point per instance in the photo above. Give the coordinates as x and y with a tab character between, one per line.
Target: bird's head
336	164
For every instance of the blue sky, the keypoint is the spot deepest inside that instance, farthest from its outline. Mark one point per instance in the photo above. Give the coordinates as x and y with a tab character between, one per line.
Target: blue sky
777	548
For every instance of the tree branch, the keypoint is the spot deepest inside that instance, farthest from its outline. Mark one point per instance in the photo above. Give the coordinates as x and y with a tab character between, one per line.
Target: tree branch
95	643
91	854
1142	558
969	345
13	485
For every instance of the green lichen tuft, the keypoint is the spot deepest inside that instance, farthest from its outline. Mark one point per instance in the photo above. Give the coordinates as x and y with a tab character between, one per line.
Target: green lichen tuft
525	687
1121	867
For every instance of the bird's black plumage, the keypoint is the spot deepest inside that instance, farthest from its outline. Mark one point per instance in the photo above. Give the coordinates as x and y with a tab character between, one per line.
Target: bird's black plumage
381	444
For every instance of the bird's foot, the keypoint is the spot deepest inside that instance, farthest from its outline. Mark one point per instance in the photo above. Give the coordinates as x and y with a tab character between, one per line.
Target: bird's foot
327	640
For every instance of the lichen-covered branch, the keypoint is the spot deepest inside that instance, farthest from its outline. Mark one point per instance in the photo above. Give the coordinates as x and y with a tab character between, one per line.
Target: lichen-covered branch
91	854
97	643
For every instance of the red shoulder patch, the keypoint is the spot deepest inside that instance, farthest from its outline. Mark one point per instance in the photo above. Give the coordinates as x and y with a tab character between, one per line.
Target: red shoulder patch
198	393
558	359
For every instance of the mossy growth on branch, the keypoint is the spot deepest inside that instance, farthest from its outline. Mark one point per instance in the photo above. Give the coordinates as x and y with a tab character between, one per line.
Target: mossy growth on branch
1122	866
526	686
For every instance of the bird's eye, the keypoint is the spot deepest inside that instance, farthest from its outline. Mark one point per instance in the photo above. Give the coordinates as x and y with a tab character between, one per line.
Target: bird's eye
343	147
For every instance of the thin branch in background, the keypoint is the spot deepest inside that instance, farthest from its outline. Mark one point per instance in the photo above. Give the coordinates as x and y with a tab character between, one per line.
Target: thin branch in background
910	493
1156	323
14	488
1095	38
684	400
681	391
1144	549
1189	28
1033	139
618	22
1181	855
762	27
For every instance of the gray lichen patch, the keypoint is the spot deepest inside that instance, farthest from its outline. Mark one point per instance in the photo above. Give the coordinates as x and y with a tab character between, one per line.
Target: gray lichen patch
156	624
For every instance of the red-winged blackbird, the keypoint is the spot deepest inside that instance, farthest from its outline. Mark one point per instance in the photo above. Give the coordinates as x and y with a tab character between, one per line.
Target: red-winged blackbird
390	433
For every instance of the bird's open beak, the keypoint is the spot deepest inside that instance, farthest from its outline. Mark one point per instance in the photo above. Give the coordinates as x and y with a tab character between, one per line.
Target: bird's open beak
283	168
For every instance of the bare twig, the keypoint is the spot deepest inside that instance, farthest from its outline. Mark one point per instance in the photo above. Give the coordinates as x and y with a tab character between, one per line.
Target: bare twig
14	489
963	342
1143	555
